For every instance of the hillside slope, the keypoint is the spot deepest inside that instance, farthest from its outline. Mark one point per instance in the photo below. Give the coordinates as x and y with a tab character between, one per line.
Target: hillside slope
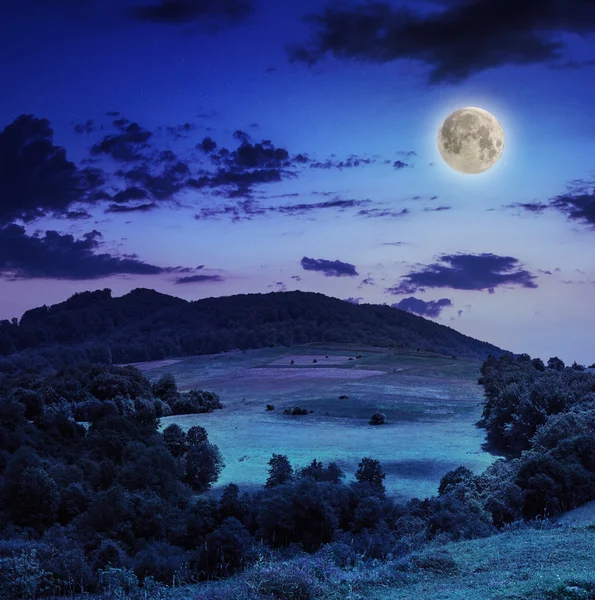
527	564
147	325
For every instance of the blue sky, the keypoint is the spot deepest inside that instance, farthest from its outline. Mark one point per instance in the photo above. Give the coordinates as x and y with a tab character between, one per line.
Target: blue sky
510	249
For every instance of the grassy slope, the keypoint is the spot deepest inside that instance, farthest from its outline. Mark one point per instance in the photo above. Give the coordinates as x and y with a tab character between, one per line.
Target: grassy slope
527	564
431	405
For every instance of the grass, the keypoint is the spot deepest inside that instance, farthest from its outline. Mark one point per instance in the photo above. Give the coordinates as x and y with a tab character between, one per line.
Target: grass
431	404
526	564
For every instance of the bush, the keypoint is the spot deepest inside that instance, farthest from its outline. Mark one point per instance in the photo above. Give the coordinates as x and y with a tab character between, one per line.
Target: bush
378	419
196	402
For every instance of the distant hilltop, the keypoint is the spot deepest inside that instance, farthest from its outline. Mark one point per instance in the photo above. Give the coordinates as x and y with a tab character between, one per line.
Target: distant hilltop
147	325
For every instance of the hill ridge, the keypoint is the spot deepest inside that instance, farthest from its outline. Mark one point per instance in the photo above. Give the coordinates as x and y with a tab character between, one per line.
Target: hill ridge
148	325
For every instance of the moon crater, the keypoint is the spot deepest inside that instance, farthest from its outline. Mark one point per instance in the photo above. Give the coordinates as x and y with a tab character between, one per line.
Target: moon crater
471	140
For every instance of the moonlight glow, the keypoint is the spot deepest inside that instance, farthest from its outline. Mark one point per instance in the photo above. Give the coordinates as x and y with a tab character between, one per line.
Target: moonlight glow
471	140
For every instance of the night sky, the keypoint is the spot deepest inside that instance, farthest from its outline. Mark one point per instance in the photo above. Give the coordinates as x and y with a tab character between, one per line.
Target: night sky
214	147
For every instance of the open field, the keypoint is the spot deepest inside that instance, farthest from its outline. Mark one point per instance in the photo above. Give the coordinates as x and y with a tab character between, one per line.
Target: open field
431	404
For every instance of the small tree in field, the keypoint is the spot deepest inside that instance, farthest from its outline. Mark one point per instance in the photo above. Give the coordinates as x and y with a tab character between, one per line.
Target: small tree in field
378	419
280	471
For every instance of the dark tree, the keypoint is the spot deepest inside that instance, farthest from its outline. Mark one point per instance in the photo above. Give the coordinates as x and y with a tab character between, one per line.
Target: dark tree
280	471
175	440
370	471
203	466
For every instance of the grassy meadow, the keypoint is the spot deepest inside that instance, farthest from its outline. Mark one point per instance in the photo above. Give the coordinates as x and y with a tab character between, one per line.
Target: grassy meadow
431	404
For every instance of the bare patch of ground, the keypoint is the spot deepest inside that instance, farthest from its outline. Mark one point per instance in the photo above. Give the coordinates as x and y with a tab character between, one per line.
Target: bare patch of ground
300	360
152	364
318	374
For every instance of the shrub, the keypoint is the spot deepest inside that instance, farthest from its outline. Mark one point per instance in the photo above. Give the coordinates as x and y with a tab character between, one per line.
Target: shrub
378	419
195	402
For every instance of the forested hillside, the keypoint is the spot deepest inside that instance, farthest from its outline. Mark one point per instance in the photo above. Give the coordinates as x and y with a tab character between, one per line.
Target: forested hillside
147	325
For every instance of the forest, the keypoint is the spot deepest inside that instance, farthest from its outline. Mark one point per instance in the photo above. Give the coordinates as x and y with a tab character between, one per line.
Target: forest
146	325
96	498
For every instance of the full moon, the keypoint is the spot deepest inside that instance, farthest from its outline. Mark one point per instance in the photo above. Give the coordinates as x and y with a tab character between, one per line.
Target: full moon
471	140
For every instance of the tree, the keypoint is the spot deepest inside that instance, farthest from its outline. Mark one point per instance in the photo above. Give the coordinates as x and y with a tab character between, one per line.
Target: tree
370	471
538	364
175	440
196	435
318	472
454	478
36	499
280	471
203	466
166	389
555	363
227	549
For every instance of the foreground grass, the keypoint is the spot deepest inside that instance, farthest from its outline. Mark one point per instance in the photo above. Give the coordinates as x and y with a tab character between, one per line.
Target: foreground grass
524	564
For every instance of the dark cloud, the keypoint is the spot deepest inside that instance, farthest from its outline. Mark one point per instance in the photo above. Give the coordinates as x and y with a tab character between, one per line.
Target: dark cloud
352	300
303	208
36	178
384	212
118	208
183	12
399	164
573	65
534	207
128	145
456	42
163	185
466	272
87	127
577	207
351	162
296	277
131	193
394	243
56	256
207	145
407	153
199	279
249	208
367	281
75	215
180	131
437	208
330	268
430	308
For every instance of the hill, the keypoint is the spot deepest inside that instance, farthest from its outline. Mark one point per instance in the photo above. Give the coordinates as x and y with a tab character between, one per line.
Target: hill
147	325
527	562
